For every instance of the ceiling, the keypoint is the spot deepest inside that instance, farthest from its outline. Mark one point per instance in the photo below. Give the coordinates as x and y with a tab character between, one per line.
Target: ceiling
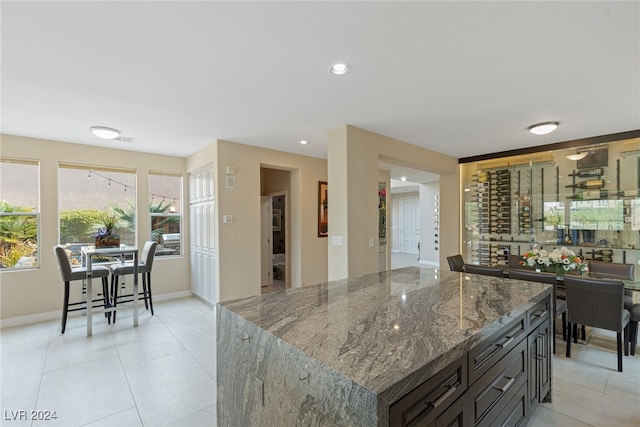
460	78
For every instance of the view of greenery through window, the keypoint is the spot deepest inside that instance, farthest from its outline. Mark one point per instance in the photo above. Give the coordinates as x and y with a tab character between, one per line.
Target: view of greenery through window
19	214
86	197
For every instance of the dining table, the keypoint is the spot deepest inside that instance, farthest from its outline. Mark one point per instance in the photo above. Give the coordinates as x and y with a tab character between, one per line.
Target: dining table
88	253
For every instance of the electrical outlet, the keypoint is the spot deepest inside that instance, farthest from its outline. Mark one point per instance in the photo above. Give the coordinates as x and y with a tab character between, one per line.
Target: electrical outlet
336	240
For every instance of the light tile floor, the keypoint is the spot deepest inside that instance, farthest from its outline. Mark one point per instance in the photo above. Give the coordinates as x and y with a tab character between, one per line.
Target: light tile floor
163	373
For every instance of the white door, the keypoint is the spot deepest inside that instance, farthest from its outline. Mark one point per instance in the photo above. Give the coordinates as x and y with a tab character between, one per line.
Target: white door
203	243
266	242
409	225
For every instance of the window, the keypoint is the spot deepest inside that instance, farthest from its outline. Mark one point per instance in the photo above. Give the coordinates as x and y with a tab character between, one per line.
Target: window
19	214
165	194
86	196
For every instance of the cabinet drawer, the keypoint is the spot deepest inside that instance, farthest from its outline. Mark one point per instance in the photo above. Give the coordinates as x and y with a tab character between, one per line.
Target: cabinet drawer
487	353
515	412
422	405
539	313
490	394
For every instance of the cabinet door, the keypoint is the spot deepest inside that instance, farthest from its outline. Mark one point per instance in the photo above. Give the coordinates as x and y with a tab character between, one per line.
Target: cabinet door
533	373
545	335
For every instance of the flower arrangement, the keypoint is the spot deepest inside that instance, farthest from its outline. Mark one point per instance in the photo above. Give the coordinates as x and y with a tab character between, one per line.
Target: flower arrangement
559	260
106	235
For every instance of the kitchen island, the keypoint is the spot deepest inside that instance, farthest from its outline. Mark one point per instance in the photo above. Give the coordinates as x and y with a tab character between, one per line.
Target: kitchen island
413	346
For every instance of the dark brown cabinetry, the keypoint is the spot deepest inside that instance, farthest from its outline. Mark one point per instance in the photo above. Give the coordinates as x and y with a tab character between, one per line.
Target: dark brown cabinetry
509	373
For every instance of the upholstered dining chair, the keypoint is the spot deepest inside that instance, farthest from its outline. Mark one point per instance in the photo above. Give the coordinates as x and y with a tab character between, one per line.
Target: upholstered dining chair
597	303
484	270
70	274
144	268
456	262
615	270
559	305
513	262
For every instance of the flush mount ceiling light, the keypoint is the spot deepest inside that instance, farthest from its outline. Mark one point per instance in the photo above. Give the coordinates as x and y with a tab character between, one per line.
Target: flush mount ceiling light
339	69
105	132
543	128
578	156
304	142
404	178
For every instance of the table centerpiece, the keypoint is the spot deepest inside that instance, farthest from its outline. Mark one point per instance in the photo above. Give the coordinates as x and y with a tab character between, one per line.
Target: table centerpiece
560	261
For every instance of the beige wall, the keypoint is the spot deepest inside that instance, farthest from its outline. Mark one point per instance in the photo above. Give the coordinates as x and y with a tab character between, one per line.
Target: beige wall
31	292
353	157
238	263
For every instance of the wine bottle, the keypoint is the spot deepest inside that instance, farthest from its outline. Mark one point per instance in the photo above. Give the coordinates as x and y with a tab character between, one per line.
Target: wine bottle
589	195
628	193
588	172
592	183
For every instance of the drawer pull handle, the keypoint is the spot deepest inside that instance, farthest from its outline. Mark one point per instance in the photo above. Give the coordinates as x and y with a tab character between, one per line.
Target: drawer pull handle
507	386
507	342
443	398
542	314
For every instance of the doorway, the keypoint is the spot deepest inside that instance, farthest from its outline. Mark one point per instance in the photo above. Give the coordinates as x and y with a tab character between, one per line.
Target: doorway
275	268
409	225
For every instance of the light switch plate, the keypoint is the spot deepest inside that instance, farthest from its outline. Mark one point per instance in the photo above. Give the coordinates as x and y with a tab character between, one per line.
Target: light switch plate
227	219
336	240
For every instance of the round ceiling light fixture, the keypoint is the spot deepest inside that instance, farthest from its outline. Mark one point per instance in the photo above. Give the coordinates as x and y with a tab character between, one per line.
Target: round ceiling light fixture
578	156
339	69
543	128
304	142
105	132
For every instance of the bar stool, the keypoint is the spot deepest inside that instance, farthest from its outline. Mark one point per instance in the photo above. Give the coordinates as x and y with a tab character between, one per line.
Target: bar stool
144	268
70	274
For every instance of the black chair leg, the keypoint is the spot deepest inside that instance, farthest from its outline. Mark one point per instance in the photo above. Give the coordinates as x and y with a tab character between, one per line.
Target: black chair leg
575	333
584	333
619	339
144	291
568	354
633	339
105	296
114	295
65	307
564	326
626	340
149	291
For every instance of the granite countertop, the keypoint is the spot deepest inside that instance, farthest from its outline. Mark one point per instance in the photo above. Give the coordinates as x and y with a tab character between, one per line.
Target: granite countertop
382	328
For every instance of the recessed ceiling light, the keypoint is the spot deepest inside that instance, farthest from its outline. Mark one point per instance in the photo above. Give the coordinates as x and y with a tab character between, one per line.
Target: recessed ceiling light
543	128
339	69
304	142
404	178
104	132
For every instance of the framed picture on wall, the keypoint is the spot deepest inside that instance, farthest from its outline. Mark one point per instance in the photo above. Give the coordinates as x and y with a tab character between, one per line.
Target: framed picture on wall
277	220
323	212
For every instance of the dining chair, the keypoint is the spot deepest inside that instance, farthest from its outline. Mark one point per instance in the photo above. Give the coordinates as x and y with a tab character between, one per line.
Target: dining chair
456	262
559	305
513	261
615	270
144	268
484	270
597	303
70	274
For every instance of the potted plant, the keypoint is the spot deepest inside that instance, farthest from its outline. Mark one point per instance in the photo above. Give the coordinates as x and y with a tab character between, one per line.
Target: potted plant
106	236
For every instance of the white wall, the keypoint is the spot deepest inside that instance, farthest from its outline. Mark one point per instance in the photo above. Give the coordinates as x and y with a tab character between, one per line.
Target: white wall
353	158
428	254
239	242
31	292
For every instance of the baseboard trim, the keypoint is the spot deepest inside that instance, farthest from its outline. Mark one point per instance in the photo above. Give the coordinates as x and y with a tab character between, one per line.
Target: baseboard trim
53	315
